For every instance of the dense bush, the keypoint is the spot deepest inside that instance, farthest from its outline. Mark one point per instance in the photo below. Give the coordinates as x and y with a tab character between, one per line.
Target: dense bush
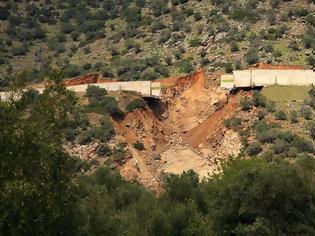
259	100
139	146
281	115
254	149
232	123
251	56
271	106
72	71
307	112
186	66
95	92
136	104
245	103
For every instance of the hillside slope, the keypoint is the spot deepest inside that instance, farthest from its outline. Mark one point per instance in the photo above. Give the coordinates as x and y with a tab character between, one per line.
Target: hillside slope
137	39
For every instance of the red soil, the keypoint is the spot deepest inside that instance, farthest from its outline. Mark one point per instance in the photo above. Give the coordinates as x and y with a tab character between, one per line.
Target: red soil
262	65
213	125
86	79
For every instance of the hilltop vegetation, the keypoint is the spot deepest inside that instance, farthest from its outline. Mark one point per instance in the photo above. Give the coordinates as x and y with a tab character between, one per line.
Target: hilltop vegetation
137	39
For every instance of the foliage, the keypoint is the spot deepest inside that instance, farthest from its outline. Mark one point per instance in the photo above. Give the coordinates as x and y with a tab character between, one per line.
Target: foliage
253	149
233	122
245	103
136	104
103	150
256	208
139	146
293	117
37	192
95	92
259	100
281	115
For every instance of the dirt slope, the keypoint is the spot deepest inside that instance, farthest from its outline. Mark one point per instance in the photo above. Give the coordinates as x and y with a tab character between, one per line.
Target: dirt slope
213	125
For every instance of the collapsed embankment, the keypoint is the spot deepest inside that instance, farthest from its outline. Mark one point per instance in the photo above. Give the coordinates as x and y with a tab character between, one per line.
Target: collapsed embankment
189	134
184	130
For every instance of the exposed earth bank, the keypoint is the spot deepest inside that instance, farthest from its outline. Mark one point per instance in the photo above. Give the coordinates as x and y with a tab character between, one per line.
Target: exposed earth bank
184	130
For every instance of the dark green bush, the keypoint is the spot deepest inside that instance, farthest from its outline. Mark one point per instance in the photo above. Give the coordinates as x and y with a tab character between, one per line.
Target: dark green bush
280	146
186	66
233	122
136	104
72	71
306	112
254	149
251	56
103	150
139	146
95	92
293	117
281	115
259	100
245	103
271	106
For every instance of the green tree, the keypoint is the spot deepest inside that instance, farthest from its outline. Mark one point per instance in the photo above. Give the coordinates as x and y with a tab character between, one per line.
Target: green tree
268	198
37	195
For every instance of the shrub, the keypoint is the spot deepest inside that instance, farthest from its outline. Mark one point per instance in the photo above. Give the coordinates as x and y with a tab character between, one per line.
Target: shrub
70	135
254	149
107	72
75	35
271	106
233	122
234	47
197	16
194	42
228	67
110	106
104	132
204	61
72	71
165	35
307	112
259	100
311	60
251	56
67	28
95	92
87	66
302	144
281	115
139	146
186	66
136	104
119	155
280	146
294	45
245	103
19	50
293	117
103	150
149	74
85	137
261	114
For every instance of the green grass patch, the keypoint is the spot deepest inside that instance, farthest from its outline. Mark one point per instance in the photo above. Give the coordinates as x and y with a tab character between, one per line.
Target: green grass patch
286	93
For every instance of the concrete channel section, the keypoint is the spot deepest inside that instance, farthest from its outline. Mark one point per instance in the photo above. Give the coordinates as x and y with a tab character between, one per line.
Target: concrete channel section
144	88
266	77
